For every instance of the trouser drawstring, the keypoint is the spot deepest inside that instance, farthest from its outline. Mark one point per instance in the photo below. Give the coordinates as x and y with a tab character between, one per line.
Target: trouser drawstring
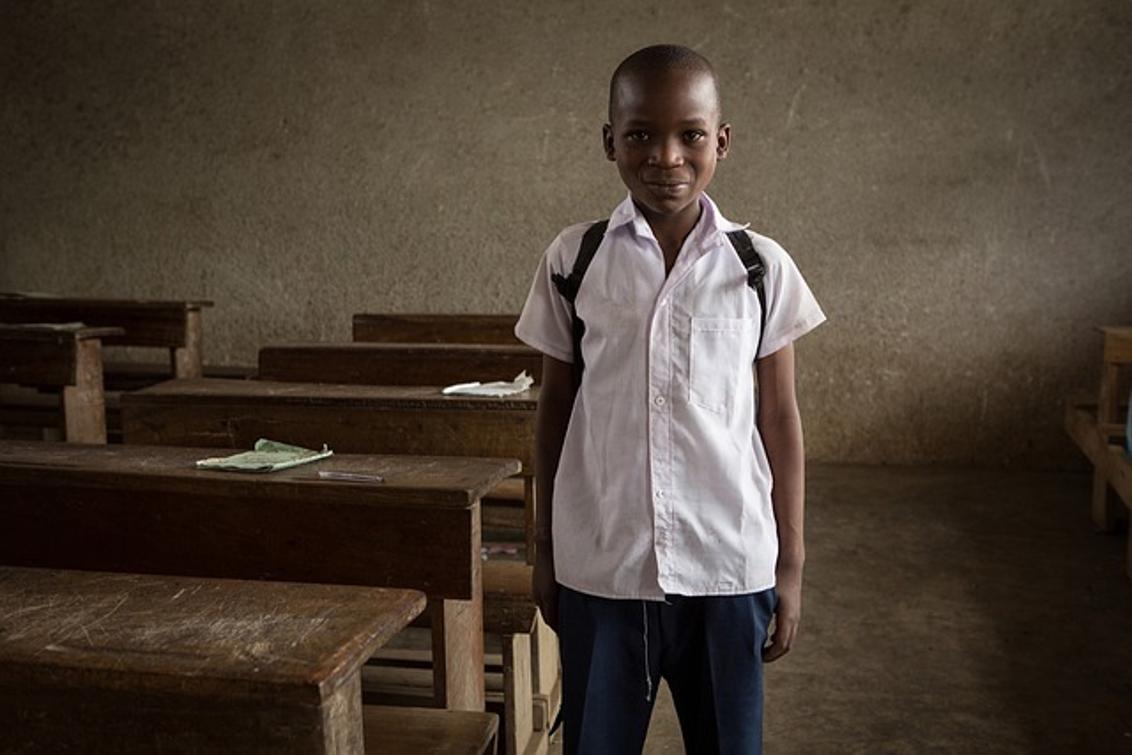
648	674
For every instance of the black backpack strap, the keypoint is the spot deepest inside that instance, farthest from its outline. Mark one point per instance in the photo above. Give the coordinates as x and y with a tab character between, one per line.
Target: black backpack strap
569	285
756	272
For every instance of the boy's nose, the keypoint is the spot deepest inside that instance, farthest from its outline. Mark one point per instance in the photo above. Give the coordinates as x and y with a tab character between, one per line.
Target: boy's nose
667	155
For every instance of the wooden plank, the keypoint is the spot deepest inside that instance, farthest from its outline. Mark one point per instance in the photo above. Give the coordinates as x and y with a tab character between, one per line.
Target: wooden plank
425	731
99	662
351	418
397	363
144	322
420	328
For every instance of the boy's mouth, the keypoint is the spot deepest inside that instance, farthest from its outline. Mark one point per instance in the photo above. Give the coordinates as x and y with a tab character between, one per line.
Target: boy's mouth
667	187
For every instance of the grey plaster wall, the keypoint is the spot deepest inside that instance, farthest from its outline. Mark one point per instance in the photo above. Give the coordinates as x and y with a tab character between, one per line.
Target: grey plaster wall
952	177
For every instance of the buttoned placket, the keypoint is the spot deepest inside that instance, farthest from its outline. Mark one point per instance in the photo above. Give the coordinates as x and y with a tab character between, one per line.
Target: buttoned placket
660	414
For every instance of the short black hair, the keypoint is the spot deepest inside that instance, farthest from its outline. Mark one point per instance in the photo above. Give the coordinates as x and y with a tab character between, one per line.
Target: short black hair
656	59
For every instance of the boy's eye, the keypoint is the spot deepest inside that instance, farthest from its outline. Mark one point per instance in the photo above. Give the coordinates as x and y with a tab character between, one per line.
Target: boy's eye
637	136
695	135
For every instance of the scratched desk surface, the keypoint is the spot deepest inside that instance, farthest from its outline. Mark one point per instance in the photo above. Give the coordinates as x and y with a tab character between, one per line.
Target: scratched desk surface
183	632
431	480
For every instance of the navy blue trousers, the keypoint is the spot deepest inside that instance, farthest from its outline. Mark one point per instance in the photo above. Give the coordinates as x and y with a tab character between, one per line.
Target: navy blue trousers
708	650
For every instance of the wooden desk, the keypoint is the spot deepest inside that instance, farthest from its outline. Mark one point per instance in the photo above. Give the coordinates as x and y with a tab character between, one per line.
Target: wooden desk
149	510
128	663
67	358
389	328
351	418
173	325
397	363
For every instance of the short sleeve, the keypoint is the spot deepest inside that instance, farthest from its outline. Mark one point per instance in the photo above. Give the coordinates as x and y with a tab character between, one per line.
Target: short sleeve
545	322
792	310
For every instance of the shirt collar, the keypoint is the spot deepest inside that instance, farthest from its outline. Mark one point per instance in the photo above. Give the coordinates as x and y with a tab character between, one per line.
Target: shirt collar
712	221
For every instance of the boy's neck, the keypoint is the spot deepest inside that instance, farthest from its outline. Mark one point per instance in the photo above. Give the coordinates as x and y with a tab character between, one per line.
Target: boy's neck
672	230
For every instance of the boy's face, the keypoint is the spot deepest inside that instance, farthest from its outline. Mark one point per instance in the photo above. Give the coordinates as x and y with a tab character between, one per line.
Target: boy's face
666	137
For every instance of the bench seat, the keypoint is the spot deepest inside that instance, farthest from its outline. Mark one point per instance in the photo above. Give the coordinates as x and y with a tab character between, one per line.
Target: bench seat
393	730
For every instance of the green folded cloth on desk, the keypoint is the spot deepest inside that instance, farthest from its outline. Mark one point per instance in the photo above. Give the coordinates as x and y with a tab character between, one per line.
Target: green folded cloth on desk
268	456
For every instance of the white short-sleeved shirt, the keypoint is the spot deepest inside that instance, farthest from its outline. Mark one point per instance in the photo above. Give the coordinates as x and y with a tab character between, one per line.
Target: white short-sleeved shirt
663	486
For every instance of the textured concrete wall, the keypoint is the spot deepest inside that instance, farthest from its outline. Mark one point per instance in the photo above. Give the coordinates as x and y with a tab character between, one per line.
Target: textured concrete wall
952	177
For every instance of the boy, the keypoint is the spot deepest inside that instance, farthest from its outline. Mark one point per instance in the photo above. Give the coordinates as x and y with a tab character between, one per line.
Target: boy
663	548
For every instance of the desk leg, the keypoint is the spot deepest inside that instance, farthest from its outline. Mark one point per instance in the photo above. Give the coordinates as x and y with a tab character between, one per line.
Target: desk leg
518	705
457	653
529	516
1107	405
1104	503
84	404
187	360
341	711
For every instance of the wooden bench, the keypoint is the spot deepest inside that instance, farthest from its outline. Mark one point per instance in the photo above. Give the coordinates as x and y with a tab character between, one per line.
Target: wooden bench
132	663
172	325
392	328
353	419
63	358
397	363
1099	431
149	510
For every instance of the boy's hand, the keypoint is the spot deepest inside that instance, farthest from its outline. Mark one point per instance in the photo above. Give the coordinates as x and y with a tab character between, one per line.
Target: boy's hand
787	615
544	588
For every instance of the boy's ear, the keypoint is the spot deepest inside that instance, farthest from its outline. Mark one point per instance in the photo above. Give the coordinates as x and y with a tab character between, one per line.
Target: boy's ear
723	141
607	141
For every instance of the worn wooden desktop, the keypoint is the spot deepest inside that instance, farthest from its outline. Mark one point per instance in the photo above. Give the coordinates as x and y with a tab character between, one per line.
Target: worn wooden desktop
149	510
113	662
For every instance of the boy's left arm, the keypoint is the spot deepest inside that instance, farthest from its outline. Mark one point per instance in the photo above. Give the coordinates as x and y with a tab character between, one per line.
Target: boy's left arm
780	426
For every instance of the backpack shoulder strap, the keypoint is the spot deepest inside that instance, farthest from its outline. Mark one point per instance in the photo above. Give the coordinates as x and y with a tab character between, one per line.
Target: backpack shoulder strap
569	285
756	273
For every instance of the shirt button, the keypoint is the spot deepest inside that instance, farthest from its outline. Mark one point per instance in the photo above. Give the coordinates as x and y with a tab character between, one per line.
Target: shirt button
659	400
660	494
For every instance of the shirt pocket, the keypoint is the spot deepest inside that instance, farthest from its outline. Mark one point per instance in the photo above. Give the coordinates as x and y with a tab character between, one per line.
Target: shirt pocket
718	353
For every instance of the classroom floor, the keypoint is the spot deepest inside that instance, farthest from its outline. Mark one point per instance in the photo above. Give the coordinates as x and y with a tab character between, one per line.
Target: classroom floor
951	612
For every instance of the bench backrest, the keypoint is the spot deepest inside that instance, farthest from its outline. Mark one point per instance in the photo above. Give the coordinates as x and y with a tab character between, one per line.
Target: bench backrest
397	364
416	328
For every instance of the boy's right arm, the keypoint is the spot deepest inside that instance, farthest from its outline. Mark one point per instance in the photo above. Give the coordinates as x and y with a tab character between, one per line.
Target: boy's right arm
556	400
